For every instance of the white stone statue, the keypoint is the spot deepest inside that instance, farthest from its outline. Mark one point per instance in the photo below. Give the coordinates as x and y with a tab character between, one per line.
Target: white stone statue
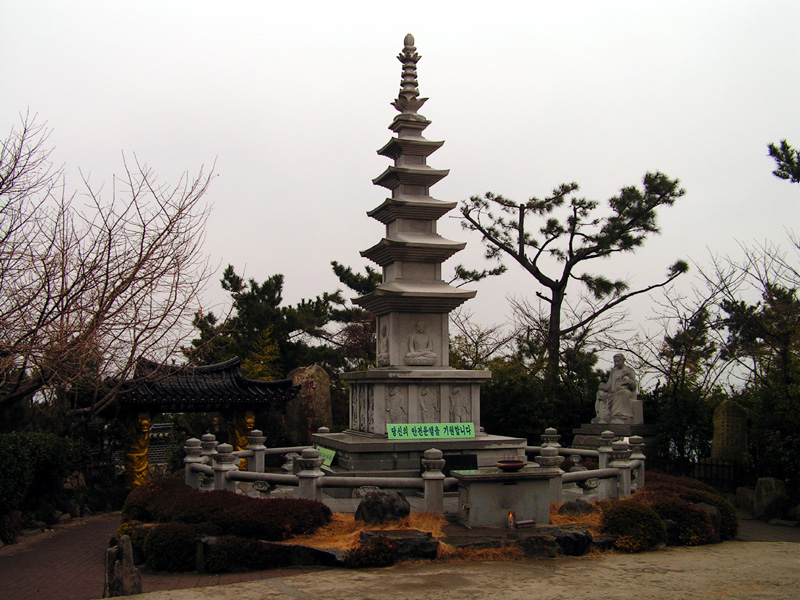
419	348
615	397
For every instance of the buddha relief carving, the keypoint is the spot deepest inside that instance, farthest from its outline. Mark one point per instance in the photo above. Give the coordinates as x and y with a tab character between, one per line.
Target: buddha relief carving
420	352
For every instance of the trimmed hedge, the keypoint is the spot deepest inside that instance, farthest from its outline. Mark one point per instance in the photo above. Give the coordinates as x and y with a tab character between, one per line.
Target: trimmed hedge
224	513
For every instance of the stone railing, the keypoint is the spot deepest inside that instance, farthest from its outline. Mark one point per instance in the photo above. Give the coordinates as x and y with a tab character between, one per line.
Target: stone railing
620	472
218	463
621	469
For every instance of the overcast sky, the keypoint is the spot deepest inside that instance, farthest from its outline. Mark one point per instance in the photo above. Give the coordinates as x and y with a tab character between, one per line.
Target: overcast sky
292	101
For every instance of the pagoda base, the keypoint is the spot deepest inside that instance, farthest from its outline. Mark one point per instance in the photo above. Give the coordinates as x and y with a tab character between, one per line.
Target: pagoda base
372	455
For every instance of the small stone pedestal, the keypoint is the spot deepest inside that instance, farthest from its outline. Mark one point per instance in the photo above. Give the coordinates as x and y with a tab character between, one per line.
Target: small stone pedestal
486	496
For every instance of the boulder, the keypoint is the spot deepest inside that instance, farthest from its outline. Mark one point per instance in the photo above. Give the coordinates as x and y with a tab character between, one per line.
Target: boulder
122	577
771	499
574	542
577	507
382	507
410	543
539	545
604	542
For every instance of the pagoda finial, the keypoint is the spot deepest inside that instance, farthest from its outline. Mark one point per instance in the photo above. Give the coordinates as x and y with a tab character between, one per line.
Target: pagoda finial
408	100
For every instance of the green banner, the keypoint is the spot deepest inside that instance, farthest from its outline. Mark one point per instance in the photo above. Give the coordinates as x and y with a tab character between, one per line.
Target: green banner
422	431
327	454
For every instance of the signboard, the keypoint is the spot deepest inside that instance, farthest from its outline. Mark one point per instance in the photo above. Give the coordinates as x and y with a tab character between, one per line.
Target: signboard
327	455
423	431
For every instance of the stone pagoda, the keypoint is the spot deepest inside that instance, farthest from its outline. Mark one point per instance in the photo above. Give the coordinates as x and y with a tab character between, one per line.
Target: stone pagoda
413	383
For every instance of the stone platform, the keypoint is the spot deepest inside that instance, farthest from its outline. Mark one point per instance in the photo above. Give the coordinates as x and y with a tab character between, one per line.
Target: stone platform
363	454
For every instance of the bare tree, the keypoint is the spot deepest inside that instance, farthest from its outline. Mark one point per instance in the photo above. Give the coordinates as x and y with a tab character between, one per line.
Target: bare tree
85	292
474	346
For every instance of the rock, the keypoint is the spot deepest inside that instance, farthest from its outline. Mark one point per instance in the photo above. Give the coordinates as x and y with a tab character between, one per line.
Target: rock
65	518
577	507
539	545
410	543
783	523
573	542
744	498
713	514
122	578
604	542
771	499
382	507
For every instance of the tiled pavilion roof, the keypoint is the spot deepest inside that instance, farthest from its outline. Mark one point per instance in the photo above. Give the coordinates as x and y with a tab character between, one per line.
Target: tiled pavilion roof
196	389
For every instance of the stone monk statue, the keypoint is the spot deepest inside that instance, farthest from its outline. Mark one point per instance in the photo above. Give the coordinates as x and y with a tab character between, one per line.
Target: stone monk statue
615	397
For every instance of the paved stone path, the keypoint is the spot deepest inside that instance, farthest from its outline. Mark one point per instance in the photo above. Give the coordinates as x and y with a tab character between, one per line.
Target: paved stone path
68	564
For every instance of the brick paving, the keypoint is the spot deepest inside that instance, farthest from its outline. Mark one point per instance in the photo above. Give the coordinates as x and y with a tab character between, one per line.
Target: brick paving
68	563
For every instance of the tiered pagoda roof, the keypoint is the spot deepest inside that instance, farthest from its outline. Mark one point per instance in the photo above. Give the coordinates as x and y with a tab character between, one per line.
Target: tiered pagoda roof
410	214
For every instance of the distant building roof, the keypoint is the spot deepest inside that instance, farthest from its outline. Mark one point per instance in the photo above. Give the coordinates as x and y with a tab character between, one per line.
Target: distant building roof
208	388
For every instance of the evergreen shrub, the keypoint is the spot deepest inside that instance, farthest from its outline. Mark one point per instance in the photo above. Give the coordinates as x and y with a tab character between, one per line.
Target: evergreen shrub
693	525
694	491
34	469
171	547
637	526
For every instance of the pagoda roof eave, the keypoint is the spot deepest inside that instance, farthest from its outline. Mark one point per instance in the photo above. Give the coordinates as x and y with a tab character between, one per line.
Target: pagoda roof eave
414	297
410	146
414	208
412	247
394	176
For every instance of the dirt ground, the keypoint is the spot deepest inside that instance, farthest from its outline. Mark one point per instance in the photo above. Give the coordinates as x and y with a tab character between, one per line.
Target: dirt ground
735	570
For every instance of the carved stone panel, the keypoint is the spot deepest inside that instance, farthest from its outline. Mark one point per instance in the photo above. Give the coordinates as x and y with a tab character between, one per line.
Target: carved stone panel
429	404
